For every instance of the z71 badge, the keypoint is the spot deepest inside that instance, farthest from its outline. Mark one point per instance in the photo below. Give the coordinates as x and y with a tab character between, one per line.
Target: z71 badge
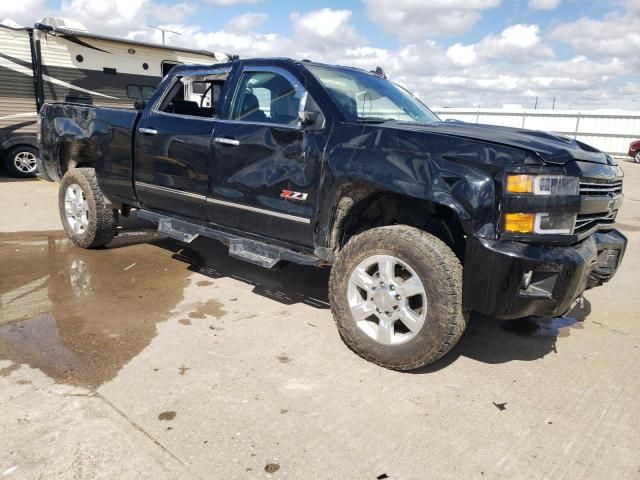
291	195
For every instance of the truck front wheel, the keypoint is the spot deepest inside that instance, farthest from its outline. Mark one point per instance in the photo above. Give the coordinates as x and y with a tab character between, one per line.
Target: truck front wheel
86	215
396	296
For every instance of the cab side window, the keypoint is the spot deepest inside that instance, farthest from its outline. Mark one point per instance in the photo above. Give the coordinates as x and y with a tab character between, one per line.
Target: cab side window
195	96
266	97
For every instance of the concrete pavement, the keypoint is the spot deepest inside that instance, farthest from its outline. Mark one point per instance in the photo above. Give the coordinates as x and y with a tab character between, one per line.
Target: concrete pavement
152	359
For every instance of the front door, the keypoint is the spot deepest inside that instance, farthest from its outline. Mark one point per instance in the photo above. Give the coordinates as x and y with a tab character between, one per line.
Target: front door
267	167
173	151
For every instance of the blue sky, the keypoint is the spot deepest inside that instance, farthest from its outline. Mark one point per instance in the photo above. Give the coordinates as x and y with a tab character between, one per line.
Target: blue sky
494	20
465	53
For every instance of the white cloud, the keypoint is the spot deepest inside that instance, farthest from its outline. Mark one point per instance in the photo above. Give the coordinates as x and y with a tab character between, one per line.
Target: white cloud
115	17
417	20
228	3
518	43
616	34
462	54
511	66
632	6
177	12
23	12
9	8
544	4
324	29
246	22
518	36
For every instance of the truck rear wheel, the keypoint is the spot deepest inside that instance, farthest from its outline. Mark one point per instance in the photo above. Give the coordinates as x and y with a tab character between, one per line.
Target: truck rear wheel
396	296
86	215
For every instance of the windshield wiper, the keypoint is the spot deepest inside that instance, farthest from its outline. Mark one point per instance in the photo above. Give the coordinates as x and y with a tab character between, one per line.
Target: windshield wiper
374	120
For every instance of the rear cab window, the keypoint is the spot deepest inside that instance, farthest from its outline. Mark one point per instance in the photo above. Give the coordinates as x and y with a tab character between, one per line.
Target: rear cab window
195	95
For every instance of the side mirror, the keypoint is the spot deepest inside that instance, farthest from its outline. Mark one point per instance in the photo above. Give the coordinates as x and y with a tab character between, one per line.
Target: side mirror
307	117
139	104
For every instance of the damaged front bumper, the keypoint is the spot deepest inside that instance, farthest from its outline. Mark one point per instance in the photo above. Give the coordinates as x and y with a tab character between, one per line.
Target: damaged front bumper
509	279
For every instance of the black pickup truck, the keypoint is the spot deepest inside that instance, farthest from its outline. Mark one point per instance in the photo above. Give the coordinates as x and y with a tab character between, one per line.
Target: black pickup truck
422	221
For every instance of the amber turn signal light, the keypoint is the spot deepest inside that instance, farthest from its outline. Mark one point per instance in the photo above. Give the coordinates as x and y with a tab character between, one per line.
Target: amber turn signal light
520	183
519	222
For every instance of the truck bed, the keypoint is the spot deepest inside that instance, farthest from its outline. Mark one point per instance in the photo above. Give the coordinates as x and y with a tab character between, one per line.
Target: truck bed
84	135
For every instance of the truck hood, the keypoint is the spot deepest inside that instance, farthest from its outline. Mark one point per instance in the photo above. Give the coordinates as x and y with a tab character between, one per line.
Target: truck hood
552	148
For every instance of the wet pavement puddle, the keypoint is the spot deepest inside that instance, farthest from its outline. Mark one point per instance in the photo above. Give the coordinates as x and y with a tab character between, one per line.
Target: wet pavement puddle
80	315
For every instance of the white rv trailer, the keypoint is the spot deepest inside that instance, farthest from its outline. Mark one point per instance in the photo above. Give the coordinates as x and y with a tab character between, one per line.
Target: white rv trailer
49	63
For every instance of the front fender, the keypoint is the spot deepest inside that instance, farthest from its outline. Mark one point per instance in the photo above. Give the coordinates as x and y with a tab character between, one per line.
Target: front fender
460	177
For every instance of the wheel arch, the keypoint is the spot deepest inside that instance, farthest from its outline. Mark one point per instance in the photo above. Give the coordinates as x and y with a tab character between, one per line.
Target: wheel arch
360	207
74	155
18	141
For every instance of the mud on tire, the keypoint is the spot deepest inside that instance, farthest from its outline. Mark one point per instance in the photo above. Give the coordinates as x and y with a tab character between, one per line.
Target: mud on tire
440	272
96	211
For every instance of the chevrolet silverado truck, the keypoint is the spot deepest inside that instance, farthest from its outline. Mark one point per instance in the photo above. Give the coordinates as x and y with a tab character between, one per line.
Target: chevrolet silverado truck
421	221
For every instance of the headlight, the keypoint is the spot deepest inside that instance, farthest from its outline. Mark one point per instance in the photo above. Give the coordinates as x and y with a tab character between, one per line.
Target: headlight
543	184
545	223
556	223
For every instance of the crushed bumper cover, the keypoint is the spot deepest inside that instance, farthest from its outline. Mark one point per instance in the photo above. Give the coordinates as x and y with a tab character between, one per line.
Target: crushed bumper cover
494	270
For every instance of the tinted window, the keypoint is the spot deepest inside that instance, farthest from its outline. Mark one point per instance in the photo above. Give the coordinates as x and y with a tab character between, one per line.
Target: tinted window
200	87
363	96
266	97
140	92
195	96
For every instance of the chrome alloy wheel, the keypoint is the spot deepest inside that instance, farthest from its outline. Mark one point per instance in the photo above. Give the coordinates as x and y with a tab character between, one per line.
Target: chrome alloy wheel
387	299
76	208
25	162
637	158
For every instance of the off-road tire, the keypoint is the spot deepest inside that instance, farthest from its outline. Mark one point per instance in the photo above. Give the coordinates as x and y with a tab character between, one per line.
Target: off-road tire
10	157
441	274
103	219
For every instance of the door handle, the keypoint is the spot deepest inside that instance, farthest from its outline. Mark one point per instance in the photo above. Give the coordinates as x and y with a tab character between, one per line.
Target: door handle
226	141
148	131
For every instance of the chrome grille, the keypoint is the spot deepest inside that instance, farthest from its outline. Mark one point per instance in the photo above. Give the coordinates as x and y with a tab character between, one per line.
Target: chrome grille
600	187
584	221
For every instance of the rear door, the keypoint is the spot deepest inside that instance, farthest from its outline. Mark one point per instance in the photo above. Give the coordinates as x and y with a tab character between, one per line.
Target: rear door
173	149
266	166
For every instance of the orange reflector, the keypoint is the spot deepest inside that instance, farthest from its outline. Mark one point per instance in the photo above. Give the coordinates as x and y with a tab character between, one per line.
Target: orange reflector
518	222
519	183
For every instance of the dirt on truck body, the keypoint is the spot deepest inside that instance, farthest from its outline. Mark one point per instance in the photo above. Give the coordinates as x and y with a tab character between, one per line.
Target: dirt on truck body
421	221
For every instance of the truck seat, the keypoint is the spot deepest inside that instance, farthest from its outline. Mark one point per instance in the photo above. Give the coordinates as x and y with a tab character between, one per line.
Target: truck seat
250	109
186	107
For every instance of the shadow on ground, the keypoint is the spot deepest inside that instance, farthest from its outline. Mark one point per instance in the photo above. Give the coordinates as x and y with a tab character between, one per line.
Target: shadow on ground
491	340
291	284
4	178
487	339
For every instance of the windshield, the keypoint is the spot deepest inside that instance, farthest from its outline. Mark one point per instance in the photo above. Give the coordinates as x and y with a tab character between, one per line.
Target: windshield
364	97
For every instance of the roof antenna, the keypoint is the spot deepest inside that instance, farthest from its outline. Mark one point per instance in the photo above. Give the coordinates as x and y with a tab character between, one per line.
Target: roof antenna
380	72
163	30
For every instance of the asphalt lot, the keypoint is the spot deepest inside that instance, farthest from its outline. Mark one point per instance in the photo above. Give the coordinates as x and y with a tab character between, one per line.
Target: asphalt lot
152	359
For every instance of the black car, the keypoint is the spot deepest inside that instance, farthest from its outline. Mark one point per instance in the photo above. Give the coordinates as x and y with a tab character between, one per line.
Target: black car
422	221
